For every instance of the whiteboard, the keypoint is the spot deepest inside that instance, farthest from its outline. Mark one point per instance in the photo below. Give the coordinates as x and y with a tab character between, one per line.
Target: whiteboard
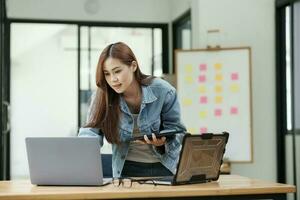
214	91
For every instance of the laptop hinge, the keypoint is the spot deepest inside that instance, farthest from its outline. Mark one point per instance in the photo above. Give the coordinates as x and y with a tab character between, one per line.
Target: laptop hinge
201	178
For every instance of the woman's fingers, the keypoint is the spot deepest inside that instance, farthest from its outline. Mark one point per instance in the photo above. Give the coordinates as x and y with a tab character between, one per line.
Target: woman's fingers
154	141
147	139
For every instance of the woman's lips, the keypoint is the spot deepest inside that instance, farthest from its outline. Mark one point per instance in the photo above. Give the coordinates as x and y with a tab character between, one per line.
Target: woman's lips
116	86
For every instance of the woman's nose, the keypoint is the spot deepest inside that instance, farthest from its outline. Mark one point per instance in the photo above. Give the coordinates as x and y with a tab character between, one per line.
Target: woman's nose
114	78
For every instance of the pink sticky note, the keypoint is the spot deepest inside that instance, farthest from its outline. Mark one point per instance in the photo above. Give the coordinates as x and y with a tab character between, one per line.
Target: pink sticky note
203	99
202	78
234	76
202	67
203	130
218	112
234	110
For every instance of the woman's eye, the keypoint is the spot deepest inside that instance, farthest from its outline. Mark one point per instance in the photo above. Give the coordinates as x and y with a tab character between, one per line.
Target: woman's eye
118	71
106	74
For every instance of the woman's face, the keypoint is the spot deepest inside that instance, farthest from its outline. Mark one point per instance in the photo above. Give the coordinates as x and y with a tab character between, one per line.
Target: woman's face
118	75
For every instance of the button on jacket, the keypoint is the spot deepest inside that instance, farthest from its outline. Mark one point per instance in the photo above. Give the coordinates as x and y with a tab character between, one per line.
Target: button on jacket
159	110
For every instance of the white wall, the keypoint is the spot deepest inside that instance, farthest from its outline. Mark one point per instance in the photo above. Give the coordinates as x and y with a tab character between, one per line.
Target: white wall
250	23
241	22
91	10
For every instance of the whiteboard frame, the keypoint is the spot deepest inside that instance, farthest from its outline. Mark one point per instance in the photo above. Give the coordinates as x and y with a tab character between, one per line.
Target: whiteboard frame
176	51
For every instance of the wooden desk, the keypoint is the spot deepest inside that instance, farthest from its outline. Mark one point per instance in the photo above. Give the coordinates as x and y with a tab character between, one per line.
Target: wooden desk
227	187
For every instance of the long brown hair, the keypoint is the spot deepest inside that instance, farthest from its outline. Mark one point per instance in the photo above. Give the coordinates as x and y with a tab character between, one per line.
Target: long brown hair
105	110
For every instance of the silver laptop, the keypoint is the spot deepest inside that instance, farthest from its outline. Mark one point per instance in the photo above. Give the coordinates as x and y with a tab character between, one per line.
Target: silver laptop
64	161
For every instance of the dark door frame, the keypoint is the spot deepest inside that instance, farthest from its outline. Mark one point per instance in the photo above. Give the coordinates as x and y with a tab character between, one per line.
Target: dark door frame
281	95
176	34
4	94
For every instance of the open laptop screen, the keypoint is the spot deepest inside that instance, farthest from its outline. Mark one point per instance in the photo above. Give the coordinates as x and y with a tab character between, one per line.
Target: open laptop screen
201	158
64	160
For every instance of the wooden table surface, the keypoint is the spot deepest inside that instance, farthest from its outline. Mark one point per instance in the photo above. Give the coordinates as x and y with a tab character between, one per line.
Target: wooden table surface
226	185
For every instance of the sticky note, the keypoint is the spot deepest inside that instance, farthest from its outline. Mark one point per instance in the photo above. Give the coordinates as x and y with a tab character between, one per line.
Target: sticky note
203	130
218	112
218	88
234	87
191	130
203	99
202	114
202	67
201	78
234	76
202	89
234	110
188	79
219	77
218	99
218	66
187	102
188	68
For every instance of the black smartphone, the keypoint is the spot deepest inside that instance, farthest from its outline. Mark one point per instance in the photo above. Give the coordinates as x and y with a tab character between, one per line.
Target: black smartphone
164	133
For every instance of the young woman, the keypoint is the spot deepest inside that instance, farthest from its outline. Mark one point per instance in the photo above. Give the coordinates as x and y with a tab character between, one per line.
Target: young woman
129	103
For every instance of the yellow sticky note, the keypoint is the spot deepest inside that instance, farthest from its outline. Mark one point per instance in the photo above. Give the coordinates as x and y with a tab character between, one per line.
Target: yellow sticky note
218	99
202	89
218	66
191	130
202	114
188	68
218	88
188	79
219	77
187	102
234	88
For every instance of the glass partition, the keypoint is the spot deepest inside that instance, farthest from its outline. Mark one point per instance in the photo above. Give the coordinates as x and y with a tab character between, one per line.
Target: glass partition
43	89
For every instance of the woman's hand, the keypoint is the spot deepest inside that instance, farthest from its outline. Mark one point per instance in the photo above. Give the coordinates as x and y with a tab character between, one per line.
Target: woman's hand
155	141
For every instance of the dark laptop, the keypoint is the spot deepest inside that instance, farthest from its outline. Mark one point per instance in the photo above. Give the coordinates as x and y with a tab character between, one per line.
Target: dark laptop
200	159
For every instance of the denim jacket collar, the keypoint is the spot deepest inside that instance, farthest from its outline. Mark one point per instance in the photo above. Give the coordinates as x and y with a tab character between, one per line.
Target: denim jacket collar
148	97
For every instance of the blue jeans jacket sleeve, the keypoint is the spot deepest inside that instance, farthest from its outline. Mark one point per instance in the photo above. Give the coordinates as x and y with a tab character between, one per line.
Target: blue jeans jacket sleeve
170	119
170	114
91	132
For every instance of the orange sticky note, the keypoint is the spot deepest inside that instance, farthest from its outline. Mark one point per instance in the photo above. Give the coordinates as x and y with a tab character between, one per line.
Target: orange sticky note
219	77
218	88
218	66
218	99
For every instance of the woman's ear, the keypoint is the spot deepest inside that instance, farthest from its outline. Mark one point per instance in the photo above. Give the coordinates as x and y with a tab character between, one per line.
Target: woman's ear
134	65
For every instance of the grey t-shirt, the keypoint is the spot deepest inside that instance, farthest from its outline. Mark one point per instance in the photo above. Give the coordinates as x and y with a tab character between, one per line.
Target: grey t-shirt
140	152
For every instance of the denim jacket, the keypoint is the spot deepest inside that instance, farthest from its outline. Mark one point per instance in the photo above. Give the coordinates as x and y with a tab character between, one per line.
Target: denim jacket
159	110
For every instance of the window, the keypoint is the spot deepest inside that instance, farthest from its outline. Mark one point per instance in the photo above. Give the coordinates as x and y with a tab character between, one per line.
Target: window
49	84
